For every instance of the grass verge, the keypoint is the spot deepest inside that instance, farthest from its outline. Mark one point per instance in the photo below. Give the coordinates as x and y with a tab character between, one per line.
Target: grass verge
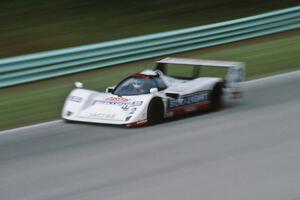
42	101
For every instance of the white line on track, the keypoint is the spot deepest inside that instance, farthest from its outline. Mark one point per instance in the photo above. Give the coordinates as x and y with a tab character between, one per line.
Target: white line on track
264	79
274	77
30	126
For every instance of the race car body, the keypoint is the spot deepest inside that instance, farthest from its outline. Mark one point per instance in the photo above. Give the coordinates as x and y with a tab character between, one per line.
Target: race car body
152	95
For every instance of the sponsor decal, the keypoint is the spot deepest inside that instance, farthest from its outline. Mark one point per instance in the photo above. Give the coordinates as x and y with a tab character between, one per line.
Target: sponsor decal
116	99
75	99
124	103
102	115
190	99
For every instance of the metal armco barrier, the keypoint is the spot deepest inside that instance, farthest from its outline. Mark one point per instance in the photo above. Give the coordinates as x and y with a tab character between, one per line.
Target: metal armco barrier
38	66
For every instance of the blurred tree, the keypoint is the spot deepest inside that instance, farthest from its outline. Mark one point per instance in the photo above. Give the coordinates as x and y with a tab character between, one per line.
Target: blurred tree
38	25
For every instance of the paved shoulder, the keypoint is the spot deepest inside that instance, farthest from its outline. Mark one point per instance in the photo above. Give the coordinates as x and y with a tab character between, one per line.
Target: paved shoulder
248	150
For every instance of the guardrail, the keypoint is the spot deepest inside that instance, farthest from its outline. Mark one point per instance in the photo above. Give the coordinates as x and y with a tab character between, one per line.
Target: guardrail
33	67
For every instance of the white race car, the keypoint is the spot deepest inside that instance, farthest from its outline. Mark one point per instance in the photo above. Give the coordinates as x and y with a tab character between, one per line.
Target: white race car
151	96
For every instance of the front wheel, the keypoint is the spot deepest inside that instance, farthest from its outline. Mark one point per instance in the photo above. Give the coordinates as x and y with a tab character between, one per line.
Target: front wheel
67	121
155	112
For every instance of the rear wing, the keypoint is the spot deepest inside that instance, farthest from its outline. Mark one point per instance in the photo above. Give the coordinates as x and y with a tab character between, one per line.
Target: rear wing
235	73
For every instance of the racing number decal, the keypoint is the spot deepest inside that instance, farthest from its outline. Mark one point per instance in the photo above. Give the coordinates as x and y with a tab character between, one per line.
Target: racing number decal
132	111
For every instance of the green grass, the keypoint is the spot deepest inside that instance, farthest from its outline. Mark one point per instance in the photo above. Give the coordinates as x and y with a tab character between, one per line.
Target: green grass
42	101
28	26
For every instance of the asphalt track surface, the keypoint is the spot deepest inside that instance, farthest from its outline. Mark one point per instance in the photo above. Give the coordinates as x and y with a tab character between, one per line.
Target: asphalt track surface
250	150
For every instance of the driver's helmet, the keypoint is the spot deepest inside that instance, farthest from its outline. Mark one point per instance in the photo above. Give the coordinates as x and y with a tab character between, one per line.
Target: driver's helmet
137	84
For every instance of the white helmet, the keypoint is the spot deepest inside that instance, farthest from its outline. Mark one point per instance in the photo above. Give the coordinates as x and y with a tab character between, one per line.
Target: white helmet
137	83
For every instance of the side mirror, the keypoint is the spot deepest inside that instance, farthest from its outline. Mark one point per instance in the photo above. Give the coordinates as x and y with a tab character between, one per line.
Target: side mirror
109	89
78	84
153	90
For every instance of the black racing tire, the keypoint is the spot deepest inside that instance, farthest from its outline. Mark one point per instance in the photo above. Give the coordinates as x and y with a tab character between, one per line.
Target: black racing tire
67	121
155	113
216	97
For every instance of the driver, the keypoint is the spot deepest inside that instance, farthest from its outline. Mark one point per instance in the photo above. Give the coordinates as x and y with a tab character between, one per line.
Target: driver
138	86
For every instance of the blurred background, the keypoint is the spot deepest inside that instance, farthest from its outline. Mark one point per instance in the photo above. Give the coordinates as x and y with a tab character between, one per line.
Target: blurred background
38	25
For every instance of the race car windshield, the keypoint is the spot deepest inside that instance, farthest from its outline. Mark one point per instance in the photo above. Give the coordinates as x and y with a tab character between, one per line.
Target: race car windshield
135	86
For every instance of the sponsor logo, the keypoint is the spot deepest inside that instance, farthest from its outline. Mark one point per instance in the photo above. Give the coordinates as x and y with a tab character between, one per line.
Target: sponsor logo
102	115
124	103
116	99
190	99
75	99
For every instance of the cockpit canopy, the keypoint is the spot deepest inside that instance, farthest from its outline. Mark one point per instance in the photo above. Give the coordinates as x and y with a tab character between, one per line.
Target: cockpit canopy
139	84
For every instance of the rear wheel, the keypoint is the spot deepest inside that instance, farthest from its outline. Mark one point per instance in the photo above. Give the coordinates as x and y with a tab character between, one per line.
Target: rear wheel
216	99
155	112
